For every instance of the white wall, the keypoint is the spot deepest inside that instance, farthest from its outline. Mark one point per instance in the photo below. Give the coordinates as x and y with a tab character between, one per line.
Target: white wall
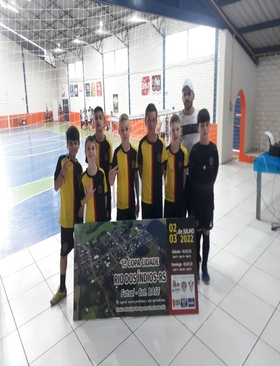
237	71
145	60
40	80
46	84
201	72
267	101
41	83
92	73
12	96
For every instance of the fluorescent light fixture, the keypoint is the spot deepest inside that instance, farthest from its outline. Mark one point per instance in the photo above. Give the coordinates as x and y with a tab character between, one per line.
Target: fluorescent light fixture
78	40
100	23
137	19
102	31
58	50
8	6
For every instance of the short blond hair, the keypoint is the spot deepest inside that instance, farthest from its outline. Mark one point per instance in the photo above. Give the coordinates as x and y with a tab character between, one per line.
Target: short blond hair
124	117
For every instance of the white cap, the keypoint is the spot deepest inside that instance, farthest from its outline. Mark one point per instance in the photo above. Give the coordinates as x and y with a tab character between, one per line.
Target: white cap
188	83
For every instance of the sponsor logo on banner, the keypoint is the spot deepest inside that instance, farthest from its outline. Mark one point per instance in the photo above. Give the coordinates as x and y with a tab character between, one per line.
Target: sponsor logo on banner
191	302
145	85
71	90
99	88
87	90
93	89
156	84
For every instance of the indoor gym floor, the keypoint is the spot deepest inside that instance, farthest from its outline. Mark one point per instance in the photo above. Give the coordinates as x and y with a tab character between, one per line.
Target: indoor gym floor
239	317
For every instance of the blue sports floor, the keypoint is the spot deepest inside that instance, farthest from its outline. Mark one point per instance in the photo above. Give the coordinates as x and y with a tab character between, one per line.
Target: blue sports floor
30	206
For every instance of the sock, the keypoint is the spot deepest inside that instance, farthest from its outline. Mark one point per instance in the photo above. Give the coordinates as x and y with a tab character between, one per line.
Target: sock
205	254
62	286
198	257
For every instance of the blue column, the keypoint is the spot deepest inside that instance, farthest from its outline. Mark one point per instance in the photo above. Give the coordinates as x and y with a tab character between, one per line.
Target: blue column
103	82
24	80
83	66
128	75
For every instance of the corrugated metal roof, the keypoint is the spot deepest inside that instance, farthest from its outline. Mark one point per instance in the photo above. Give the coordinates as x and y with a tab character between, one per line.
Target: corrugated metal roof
257	21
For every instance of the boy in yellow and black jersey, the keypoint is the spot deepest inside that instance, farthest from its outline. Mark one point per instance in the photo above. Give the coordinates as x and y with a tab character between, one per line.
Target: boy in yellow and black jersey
175	172
104	153
93	188
151	159
67	179
125	166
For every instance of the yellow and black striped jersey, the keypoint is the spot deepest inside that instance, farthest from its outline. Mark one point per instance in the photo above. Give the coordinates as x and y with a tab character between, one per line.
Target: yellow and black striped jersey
95	206
104	154
127	166
69	192
151	157
174	178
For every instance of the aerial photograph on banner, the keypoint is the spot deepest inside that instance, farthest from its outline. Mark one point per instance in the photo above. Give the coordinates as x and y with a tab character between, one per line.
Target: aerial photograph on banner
120	269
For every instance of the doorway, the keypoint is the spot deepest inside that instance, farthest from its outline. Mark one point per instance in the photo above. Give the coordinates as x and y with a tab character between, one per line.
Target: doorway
65	106
236	126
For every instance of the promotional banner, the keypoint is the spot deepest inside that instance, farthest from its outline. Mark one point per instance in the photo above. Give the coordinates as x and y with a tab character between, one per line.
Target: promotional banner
76	90
99	88
71	87
135	268
115	103
145	85
87	90
93	89
156	84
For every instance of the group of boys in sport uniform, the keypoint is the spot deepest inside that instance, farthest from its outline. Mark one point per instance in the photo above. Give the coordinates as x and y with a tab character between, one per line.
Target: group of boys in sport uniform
189	166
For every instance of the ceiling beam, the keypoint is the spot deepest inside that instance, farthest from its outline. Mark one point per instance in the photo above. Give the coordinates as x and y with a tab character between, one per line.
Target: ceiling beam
226	2
192	11
231	28
259	26
265	51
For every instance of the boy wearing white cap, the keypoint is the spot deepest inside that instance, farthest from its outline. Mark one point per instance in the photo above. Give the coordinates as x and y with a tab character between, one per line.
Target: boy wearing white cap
190	135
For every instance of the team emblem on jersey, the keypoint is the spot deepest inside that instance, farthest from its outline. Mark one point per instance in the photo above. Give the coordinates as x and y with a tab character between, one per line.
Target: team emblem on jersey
100	188
211	160
105	157
180	164
158	157
133	164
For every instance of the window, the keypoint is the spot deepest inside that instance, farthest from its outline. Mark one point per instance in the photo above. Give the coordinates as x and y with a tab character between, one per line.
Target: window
176	47
201	42
76	70
109	63
121	61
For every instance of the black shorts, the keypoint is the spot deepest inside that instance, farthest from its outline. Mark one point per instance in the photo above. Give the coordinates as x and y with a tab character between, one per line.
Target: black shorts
173	209
108	208
67	241
204	219
151	211
127	214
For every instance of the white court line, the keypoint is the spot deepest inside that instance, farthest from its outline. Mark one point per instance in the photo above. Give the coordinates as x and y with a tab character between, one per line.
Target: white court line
33	195
31	146
39	139
27	156
14	133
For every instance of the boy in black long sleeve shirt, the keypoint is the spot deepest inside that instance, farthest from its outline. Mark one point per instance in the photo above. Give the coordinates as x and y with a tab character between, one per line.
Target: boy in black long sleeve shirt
203	170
